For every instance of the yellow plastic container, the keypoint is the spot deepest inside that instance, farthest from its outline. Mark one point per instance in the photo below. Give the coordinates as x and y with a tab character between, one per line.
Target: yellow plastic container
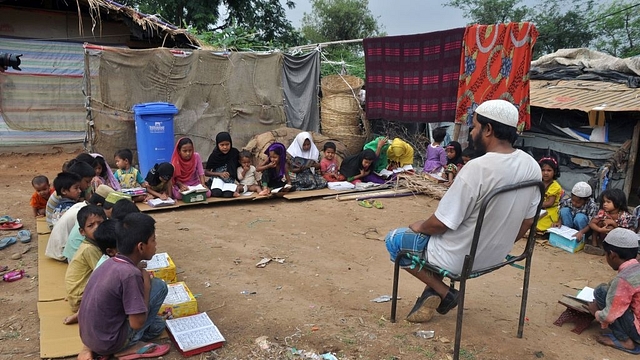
166	272
179	301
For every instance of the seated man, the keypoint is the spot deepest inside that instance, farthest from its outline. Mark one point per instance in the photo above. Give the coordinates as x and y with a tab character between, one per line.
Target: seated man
445	238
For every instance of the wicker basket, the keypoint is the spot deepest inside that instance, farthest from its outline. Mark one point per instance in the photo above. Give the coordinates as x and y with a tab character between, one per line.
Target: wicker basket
340	84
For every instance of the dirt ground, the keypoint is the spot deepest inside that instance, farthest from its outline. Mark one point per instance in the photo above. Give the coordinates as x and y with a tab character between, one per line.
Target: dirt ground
319	299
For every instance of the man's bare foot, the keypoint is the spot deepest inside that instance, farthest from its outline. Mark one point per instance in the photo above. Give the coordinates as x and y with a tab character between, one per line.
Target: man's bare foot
71	319
85	354
606	340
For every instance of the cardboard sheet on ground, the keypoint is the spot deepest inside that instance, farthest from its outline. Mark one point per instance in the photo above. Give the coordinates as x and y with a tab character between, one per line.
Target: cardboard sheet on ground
328	192
57	339
50	274
41	226
179	203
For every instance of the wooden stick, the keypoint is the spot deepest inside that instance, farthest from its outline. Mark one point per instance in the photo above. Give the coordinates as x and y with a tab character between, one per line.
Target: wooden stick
374	193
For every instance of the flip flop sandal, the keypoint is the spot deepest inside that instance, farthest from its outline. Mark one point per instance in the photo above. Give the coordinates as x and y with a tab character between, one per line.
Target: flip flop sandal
365	203
24	236
6	219
377	204
8	241
150	350
8	223
618	345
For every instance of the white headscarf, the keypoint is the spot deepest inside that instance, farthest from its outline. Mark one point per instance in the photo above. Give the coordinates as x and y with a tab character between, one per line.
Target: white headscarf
295	149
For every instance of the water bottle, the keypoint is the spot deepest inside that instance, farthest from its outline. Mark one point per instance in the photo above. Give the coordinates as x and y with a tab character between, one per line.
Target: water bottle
13	275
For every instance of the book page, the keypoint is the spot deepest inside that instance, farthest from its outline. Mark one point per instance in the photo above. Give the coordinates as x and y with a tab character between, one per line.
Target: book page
385	173
176	294
564	231
586	294
158	261
193	332
218	183
159	202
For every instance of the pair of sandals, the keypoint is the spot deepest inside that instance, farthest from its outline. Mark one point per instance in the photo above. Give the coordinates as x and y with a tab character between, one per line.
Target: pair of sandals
24	236
371	203
9	223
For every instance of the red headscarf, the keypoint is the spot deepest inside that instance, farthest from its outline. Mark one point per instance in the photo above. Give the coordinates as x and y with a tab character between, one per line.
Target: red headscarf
183	169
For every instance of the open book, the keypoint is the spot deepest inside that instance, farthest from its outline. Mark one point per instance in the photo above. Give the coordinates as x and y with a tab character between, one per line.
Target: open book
387	173
192	189
157	202
217	183
564	231
194	334
277	190
300	162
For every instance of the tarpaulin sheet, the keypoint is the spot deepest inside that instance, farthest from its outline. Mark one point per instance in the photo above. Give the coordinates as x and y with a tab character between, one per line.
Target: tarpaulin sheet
300	80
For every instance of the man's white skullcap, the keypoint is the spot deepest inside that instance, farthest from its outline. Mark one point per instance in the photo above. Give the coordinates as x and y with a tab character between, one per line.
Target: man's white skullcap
501	111
622	238
581	189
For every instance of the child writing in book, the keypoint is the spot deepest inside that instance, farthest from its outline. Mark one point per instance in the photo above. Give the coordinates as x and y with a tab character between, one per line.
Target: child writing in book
84	260
454	161
357	167
615	305
382	162
223	164
247	173
399	154
187	168
43	191
121	323
275	170
612	214
329	166
553	192
436	157
304	156
159	181
577	211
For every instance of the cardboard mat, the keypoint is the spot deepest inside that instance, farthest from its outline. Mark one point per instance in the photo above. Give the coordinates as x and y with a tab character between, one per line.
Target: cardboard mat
50	274
57	339
41	226
179	203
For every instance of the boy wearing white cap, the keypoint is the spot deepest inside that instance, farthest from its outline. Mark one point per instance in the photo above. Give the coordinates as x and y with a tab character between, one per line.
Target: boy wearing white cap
444	239
617	304
577	211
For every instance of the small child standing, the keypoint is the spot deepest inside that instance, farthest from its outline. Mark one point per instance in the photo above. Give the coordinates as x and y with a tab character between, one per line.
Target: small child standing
247	173
275	169
159	181
120	322
67	193
552	193
127	175
615	305
329	166
84	260
577	211
43	191
454	161
613	214
436	157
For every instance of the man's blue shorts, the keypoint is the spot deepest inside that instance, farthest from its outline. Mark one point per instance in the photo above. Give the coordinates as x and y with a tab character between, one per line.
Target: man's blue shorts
406	239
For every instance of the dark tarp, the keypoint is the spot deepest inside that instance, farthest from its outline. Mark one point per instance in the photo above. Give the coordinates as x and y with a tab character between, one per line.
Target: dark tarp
300	80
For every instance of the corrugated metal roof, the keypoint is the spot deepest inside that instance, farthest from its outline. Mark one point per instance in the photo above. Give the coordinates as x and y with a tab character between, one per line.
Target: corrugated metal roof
587	96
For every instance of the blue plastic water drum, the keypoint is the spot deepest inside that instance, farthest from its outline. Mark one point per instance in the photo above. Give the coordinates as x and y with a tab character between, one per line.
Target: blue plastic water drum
154	133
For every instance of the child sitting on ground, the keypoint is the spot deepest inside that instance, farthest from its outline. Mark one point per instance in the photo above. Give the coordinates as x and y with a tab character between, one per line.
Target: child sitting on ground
42	193
67	193
275	170
127	175
436	157
85	259
187	168
359	166
104	175
552	193
615	305
454	161
121	322
303	156
247	173
222	164
159	181
612	214
577	211
329	166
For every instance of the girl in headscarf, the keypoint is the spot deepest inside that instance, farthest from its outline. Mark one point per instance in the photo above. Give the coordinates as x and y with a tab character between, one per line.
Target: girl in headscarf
359	166
187	168
304	164
382	161
399	153
104	175
223	164
275	170
159	181
454	161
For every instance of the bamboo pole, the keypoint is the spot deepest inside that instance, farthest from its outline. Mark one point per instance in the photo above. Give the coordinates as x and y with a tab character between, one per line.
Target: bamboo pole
631	164
372	194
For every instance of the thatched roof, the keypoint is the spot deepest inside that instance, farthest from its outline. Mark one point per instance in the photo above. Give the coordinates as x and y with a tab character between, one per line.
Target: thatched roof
142	26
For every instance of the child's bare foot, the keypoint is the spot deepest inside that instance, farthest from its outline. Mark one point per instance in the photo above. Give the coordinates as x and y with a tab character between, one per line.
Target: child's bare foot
71	319
264	192
235	194
85	354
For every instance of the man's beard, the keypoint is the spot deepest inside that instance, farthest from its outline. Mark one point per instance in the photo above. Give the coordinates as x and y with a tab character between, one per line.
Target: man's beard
479	146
